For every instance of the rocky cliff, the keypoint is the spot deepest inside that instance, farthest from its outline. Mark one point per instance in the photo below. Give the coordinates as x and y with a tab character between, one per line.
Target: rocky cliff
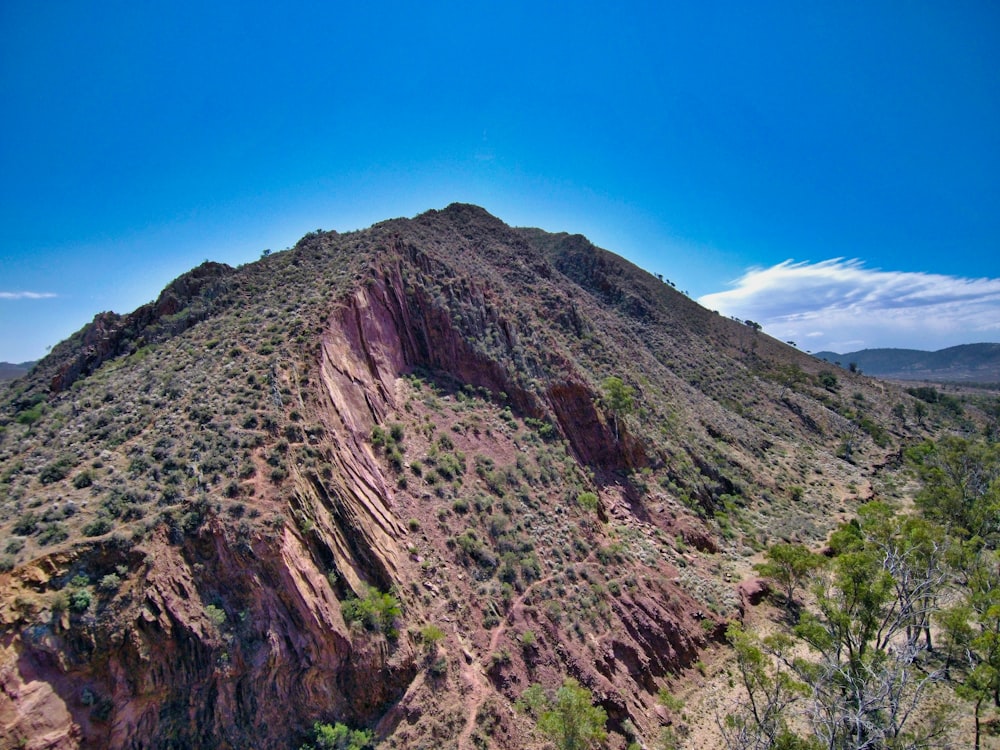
376	479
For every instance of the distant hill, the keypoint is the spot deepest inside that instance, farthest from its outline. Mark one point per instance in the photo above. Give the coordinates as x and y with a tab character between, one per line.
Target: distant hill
972	363
9	370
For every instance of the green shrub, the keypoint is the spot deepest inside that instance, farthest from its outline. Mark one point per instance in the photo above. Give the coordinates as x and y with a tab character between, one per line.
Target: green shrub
31	415
80	600
451	466
14	546
374	610
110	583
53	533
431	635
587	501
83	479
55	471
669	700
827	379
216	614
26	525
98	527
572	721
339	737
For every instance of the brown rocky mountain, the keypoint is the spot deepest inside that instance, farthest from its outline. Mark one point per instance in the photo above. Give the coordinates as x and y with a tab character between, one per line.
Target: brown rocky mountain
381	479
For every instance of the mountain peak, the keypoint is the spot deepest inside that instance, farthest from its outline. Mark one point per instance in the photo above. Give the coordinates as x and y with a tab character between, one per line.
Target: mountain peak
462	213
389	478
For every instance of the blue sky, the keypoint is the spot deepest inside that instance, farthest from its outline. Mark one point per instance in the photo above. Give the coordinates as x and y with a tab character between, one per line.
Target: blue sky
831	170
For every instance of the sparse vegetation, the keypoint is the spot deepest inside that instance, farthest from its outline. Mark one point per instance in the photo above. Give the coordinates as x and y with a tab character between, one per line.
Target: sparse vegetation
241	444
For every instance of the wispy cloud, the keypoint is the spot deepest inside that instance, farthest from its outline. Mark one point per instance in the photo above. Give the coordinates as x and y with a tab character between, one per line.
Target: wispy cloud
27	295
842	306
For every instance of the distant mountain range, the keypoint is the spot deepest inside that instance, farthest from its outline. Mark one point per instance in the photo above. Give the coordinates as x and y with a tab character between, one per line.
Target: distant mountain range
9	370
970	363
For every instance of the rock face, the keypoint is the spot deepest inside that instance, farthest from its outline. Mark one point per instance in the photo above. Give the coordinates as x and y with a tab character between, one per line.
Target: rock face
414	413
159	669
188	300
752	592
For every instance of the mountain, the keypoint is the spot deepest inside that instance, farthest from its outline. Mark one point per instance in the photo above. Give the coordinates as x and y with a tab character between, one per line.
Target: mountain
393	477
967	363
9	370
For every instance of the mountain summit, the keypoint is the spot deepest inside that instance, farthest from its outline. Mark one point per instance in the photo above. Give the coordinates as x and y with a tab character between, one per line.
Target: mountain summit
391	478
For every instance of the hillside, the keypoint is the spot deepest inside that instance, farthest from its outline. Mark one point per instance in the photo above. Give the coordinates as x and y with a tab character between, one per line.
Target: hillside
968	363
381	479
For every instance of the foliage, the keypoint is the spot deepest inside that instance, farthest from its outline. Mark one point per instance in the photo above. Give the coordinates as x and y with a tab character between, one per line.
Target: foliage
339	737
571	720
669	700
588	501
56	470
961	486
80	599
31	414
110	583
533	700
216	614
618	398
375	610
761	722
828	380
789	565
431	635
83	479
868	668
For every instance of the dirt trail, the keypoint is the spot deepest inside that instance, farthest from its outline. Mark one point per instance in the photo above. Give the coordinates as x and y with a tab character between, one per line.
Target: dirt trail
473	672
474	676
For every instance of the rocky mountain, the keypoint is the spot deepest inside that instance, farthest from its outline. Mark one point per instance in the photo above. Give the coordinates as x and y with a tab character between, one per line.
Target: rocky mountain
393	477
968	363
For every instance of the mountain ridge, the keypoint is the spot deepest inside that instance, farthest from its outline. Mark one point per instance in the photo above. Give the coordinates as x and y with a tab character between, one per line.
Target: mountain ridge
973	363
379	479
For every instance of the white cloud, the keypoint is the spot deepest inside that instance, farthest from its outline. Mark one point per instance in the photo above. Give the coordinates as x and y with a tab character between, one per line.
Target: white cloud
842	306
27	295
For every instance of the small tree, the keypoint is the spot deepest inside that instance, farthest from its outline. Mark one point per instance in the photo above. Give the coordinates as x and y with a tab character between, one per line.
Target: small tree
572	721
619	398
827	379
760	723
789	566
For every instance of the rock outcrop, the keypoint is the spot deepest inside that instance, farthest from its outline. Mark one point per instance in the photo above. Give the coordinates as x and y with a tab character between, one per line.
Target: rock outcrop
188	300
